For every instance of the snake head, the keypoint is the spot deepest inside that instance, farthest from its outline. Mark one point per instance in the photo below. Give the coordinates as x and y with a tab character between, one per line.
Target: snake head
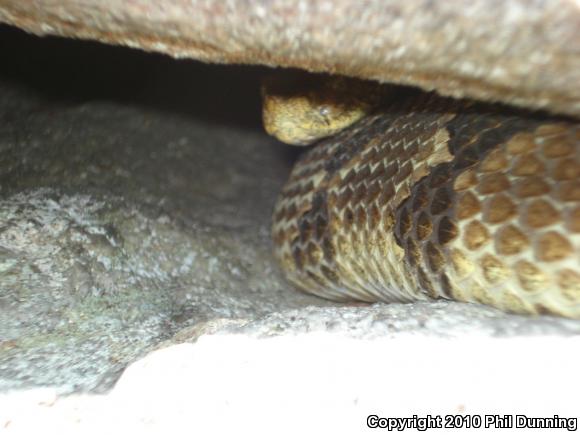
300	109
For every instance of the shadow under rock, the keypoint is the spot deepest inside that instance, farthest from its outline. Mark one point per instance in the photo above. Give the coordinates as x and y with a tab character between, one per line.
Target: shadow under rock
73	71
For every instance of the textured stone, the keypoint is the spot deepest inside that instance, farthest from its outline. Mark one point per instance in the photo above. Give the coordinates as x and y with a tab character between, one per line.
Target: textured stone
515	51
330	368
122	221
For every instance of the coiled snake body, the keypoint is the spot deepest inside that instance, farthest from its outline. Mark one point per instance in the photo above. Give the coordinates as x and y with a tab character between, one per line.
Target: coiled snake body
428	197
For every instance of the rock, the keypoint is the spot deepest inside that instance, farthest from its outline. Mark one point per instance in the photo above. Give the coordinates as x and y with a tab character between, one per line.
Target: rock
324	382
120	224
515	51
439	319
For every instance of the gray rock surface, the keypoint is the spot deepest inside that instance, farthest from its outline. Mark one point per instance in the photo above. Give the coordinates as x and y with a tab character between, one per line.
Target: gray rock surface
122	223
439	319
321	383
522	52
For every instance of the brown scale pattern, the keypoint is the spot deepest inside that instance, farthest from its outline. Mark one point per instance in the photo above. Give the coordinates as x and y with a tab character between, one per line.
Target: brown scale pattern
434	198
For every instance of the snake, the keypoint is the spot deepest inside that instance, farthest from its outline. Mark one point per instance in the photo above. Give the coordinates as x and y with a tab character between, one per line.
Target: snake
407	195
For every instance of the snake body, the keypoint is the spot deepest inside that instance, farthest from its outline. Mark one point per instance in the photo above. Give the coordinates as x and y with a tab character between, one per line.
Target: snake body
429	197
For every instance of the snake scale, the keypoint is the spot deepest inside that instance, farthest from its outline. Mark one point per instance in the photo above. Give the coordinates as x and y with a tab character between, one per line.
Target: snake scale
427	197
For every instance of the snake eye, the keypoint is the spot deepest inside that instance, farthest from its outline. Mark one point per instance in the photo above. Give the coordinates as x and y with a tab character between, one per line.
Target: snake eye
324	111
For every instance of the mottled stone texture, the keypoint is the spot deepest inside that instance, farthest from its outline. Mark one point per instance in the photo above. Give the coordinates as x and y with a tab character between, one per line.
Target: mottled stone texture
522	52
120	220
